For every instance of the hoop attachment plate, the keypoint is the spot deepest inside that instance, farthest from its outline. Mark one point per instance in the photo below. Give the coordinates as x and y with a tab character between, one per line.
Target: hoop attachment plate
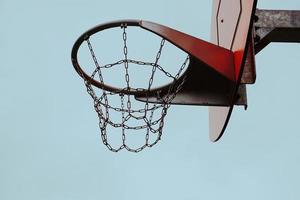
210	75
231	29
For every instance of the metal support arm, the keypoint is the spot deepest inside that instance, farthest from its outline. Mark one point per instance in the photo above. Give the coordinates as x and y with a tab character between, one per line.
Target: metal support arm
276	26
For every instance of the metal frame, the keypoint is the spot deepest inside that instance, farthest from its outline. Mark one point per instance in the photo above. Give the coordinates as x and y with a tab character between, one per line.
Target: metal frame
276	26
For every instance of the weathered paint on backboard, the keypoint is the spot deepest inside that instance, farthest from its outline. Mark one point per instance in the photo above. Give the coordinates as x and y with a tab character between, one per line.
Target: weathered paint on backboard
231	28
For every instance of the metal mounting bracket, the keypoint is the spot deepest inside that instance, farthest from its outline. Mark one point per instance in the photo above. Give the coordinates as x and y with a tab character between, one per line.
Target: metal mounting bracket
276	26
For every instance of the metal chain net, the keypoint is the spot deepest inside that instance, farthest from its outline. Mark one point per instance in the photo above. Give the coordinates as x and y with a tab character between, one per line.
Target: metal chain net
152	127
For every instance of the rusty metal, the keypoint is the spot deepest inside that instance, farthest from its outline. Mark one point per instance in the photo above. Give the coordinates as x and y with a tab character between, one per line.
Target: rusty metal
276	26
249	72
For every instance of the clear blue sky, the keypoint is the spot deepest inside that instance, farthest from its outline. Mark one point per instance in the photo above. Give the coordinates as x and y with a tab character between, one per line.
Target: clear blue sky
50	146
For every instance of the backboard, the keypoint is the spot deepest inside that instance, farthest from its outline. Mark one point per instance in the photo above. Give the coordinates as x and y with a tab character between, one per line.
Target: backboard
231	28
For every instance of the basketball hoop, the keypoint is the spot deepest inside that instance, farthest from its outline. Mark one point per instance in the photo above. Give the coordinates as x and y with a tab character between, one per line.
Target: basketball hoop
150	116
217	71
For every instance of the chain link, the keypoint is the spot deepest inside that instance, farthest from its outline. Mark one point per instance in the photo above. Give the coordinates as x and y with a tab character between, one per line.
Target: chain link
146	115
